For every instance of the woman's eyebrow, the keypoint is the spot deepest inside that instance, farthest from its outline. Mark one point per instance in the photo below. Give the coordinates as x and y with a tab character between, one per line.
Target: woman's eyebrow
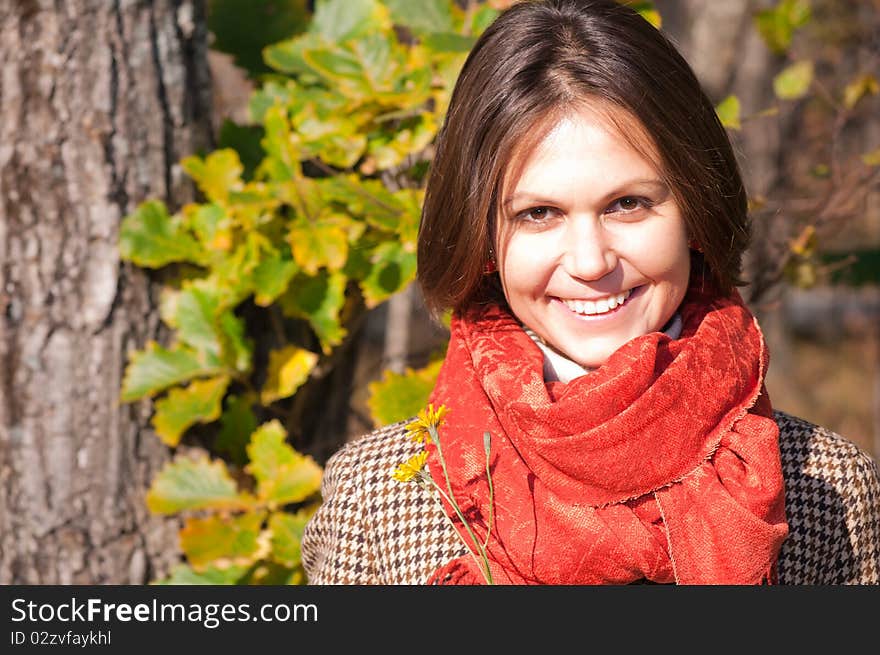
531	197
655	183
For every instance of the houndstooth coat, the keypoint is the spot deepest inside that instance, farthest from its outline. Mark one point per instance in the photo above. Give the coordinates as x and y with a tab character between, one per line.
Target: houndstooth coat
372	529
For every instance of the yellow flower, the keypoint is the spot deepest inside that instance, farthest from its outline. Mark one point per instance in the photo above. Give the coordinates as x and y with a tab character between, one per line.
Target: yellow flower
411	467
427	418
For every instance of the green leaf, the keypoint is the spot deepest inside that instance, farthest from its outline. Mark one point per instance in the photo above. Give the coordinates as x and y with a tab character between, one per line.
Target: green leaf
194	484
289	368
389	149
316	245
286	57
287	531
411	201
339	65
283	148
271	277
212	575
394	266
365	198
794	82
151	238
305	195
728	111
212	226
484	16
245	140
237	347
217	174
318	299
273	92
283	475
269	572
242	28
154	369
422	16
778	24
195	317
232	275
199	403
397	396
341	150
449	42
230	539
236	426
340	20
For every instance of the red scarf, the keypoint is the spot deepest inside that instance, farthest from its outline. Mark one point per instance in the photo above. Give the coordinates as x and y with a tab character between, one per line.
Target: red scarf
662	464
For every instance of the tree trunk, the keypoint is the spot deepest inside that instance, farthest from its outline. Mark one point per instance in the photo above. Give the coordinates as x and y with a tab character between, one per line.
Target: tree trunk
99	99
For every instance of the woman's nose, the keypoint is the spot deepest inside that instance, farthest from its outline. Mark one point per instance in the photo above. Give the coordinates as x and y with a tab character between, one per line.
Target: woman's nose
588	250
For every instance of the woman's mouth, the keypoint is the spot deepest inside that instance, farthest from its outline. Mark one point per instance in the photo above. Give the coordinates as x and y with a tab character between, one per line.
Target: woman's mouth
597	307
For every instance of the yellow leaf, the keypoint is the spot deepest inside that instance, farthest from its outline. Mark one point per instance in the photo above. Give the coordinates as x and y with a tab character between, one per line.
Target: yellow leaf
872	158
401	396
222	540
653	17
728	111
794	82
646	10
217	174
200	402
863	85
820	170
169	301
289	368
805	243
317	245
283	475
221	241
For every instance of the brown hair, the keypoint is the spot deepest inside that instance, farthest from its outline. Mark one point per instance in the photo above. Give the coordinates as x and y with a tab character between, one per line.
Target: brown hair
541	59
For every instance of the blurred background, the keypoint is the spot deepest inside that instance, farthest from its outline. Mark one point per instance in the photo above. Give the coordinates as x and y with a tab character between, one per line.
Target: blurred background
207	224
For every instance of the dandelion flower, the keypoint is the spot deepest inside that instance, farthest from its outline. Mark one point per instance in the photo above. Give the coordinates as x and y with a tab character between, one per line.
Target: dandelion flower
411	467
419	430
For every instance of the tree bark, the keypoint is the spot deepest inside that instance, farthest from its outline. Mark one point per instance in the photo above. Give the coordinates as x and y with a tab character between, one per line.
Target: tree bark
99	99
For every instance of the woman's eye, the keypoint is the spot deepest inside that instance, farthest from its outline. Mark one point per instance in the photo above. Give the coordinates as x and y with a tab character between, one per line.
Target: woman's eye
536	214
627	204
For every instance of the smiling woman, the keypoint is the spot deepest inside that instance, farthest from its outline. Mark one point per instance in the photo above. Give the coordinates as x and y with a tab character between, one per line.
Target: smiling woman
592	247
585	219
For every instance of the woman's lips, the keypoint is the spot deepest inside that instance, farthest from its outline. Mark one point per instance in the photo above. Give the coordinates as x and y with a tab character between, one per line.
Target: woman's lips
589	309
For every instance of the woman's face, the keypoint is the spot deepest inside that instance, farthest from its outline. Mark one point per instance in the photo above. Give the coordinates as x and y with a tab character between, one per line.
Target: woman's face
592	248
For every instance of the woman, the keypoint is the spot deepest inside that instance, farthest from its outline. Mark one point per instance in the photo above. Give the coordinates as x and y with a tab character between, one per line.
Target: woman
585	218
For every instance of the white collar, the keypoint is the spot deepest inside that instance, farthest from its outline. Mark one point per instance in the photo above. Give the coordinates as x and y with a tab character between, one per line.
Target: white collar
558	367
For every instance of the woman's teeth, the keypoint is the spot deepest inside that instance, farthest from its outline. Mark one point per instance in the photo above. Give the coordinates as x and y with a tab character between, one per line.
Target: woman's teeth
591	307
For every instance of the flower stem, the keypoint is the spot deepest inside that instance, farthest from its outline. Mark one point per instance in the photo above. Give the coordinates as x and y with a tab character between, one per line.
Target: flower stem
449	519
491	502
487	573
